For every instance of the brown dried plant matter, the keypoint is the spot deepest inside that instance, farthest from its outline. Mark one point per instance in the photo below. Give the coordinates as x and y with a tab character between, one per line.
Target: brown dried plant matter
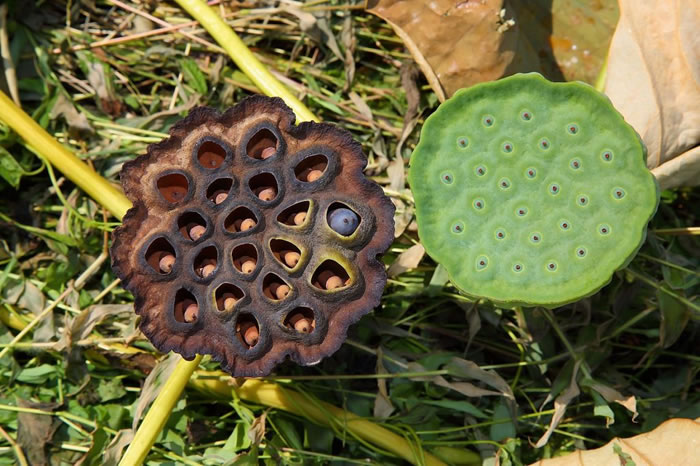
201	260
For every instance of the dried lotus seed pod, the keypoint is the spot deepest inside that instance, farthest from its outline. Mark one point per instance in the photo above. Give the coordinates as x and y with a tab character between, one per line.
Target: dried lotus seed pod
230	232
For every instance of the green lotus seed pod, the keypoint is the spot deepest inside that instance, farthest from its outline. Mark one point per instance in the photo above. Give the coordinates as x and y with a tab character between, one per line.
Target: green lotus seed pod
530	192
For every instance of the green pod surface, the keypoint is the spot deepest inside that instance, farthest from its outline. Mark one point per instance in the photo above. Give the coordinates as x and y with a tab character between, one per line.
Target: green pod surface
531	192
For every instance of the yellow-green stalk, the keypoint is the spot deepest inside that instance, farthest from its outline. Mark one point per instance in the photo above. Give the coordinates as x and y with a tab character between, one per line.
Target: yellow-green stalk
243	57
71	166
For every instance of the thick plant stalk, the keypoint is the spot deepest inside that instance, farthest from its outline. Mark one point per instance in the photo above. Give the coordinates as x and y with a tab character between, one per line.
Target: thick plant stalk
71	166
243	57
158	415
320	412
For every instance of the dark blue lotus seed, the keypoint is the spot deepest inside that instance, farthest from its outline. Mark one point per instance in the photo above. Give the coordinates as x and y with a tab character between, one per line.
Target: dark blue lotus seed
343	221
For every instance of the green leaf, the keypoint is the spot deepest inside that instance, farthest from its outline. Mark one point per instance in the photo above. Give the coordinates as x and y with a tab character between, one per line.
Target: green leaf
674	318
37	375
111	389
602	408
502	430
193	75
461	406
10	169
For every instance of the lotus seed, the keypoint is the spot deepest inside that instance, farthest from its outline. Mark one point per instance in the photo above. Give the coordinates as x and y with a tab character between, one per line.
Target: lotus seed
291	258
518	267
480	170
267	193
343	221
544	144
604	229
572	128
219	197
582	200
500	233
268	152
166	263
280	291
488	120
531	173
314	175
462	142
299	218
552	266
618	193
479	204
447	178
191	313
554	189
504	183
607	156
482	262
581	252
575	164
250	333
229	301
247	224
458	227
507	147
300	323
527	116
535	237
564	225
207	268
521	212
197	232
247	264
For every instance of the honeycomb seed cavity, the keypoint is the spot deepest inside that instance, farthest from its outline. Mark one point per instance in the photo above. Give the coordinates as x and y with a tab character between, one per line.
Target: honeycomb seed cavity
577	165
173	187
311	168
551	266
251	238
301	320
211	154
462	142
262	145
581	252
482	262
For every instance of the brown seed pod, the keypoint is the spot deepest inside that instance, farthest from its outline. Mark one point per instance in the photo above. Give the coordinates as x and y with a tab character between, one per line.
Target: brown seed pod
223	204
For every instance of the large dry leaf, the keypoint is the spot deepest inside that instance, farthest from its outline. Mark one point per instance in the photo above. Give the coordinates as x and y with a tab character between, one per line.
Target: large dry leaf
654	81
458	43
560	404
676	441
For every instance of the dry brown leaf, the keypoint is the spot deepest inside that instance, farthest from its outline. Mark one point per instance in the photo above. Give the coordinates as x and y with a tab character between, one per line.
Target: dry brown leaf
407	260
560	404
465	388
676	441
613	396
654	81
383	407
457	43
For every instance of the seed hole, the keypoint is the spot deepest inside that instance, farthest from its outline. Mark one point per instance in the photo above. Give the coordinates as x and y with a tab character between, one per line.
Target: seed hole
482	262
518	267
226	296
582	200
488	120
218	191
245	258
521	211
551	266
575	164
447	178
604	229
531	173
544	144
263	145
192	226
160	255
264	186
186	308
241	219
211	155
173	187
458	227
554	189
285	252
462	142
301	320
536	237
572	128
342	219
618	193
500	233
564	225
480	170
507	147
330	275
311	168
606	155
479	204
247	330
275	288
581	252
527	116
504	183
295	215
206	262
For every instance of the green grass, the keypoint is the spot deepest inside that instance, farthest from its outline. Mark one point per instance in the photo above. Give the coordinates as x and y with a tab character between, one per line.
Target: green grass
72	387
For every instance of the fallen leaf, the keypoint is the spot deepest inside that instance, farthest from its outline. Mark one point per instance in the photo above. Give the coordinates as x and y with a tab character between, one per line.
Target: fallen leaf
676	441
465	388
560	404
34	431
409	76
653	79
469	369
154	383
407	260
383	407
78	123
613	396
